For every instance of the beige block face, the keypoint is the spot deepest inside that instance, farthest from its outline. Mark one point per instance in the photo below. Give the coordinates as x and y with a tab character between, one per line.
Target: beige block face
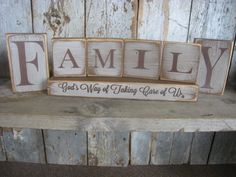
180	62
142	59
214	65
104	57
69	57
27	54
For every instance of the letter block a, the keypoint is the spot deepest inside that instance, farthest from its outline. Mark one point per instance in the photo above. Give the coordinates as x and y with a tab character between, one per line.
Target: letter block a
69	57
214	65
142	59
180	62
104	57
28	61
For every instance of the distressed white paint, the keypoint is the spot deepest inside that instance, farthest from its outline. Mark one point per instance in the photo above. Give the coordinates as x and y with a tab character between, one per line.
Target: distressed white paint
164	20
151	59
15	17
213	19
65	65
187	62
110	18
125	90
36	62
111	53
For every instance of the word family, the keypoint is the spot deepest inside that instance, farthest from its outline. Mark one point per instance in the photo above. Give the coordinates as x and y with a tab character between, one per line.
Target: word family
204	63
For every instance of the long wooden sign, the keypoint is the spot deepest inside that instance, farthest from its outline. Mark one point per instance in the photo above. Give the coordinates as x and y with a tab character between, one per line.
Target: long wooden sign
122	88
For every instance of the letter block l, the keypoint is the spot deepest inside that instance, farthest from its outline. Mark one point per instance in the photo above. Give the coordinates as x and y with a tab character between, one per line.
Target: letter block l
28	61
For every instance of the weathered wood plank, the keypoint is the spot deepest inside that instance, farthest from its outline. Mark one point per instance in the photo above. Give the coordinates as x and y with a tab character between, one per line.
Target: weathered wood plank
2	149
214	65
122	88
164	20
15	16
24	145
25	49
111	18
232	71
223	148
66	147
58	18
108	148
201	146
181	146
213	19
161	148
140	148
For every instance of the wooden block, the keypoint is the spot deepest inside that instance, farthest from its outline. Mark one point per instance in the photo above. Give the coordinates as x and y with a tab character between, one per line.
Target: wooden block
214	65
142	59
122	88
161	148
108	148
69	57
27	54
24	145
181	147
180	62
140	148
104	57
223	148
66	147
201	146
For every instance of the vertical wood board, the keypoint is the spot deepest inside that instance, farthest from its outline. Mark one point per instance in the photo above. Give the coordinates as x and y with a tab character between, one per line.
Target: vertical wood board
213	19
15	17
161	148
66	147
111	19
201	147
140	148
24	145
164	20
108	148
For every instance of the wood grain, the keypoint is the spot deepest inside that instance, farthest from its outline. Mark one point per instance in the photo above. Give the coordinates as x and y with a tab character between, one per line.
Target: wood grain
161	148
66	147
181	147
214	65
24	145
108	148
111	19
125	89
2	148
104	57
213	19
201	147
142	59
15	17
223	148
180	62
164	20
58	18
28	60
140	148
69	58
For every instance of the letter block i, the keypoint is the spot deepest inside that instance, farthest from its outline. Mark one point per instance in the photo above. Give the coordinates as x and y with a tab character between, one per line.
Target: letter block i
214	65
180	62
104	57
69	57
28	61
142	59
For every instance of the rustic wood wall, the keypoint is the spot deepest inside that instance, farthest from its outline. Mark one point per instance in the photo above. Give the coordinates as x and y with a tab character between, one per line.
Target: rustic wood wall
170	20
